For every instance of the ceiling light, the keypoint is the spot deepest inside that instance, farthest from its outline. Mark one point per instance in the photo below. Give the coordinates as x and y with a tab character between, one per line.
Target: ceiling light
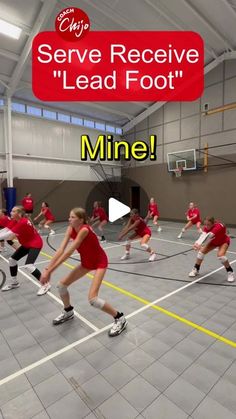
10	30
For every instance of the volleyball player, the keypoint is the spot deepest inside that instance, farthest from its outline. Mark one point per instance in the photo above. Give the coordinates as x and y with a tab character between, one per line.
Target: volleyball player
153	213
139	229
5	221
99	218
193	218
213	236
28	204
47	220
30	245
93	258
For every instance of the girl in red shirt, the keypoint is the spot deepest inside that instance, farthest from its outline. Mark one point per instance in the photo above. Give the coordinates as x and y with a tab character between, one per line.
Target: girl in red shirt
93	257
30	244
193	218
213	236
140	230
5	221
28	204
153	213
48	218
99	218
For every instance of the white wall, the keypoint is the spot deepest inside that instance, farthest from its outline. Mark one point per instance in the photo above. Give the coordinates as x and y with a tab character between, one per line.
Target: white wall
58	145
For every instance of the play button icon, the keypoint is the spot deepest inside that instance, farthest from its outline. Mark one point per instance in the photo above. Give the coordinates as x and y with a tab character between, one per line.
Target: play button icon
116	209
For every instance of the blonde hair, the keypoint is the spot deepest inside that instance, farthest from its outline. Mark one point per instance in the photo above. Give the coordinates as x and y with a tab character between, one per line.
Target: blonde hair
20	210
80	213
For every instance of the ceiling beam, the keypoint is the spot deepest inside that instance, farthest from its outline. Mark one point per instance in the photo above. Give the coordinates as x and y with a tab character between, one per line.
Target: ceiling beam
44	14
208	25
175	24
8	54
112	14
231	9
107	109
153	108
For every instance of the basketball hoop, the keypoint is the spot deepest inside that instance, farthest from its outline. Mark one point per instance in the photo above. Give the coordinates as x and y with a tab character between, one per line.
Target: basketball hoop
178	171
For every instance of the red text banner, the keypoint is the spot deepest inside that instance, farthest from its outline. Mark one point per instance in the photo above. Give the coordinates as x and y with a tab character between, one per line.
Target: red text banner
119	66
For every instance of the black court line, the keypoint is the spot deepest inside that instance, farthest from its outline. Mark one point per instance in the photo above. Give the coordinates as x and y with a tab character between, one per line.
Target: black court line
149	275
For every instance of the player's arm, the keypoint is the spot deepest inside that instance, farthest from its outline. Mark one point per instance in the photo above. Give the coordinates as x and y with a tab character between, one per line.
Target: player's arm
7	234
39	215
203	240
125	230
62	253
133	226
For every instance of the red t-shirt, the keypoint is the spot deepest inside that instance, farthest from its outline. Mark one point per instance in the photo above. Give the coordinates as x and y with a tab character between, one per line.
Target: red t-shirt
153	209
27	203
192	212
91	253
4	221
47	214
142	228
26	234
219	230
100	212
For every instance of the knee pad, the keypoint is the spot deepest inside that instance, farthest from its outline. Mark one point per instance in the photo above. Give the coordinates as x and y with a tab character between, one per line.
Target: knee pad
12	262
200	255
223	259
97	302
30	268
145	246
62	289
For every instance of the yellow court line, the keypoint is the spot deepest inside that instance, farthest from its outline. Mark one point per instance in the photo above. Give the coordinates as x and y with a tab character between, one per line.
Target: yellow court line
158	308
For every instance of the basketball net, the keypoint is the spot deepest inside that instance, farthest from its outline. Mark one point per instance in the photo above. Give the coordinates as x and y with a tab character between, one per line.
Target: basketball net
178	172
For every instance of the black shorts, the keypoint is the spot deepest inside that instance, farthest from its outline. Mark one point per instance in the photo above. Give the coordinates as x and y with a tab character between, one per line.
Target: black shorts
29	211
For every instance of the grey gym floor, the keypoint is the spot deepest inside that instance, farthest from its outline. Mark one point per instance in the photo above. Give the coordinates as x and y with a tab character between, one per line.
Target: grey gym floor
176	360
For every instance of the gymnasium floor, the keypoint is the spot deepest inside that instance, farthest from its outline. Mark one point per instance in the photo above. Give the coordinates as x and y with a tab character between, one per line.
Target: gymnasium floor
176	360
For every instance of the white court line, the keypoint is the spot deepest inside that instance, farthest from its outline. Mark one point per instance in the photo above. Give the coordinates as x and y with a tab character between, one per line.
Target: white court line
98	332
185	244
54	297
36	263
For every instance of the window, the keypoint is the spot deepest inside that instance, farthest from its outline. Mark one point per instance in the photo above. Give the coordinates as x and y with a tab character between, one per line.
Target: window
119	131
110	128
63	117
89	124
18	107
76	121
32	110
49	114
100	126
40	112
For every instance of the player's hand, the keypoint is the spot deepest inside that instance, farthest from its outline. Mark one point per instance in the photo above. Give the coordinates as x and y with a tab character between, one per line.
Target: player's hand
196	246
45	277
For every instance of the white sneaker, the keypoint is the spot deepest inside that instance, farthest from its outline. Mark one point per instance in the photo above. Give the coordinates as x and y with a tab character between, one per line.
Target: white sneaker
52	232
194	272
180	236
159	229
118	326
231	277
126	256
63	317
11	286
153	257
44	289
